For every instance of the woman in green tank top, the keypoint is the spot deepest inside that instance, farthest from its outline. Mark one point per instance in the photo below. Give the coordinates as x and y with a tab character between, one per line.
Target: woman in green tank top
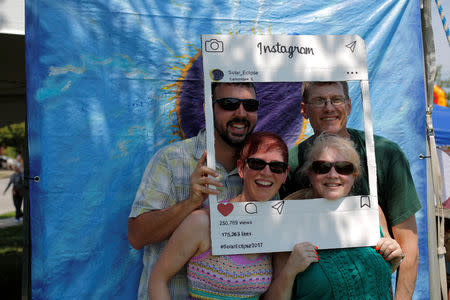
351	273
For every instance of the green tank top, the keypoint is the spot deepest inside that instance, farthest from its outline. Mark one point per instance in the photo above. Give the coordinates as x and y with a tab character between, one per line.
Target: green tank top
352	273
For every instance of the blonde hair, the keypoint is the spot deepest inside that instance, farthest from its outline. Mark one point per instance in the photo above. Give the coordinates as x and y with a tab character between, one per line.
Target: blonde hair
343	146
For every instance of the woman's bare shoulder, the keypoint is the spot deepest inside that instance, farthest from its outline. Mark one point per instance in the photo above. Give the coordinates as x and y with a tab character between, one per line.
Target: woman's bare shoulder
196	225
198	218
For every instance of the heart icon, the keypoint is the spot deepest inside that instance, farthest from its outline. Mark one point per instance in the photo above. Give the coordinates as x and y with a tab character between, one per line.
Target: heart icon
225	209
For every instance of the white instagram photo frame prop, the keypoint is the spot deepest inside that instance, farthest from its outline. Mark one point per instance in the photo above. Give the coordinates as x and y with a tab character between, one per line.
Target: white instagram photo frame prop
274	226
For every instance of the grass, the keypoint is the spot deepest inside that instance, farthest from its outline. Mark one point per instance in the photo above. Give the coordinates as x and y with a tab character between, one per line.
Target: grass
8	215
11	253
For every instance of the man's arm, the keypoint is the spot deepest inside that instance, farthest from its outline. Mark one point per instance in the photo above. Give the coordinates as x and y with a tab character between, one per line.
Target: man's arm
405	234
7	187
399	200
157	225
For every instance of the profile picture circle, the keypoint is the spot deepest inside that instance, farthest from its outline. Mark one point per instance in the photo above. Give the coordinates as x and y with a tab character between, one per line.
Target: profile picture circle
216	74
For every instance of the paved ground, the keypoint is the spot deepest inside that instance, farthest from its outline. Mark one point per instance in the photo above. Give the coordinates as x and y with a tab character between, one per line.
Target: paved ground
9	222
6	203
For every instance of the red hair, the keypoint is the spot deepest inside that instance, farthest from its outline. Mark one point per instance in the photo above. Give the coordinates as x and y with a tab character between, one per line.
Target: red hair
271	140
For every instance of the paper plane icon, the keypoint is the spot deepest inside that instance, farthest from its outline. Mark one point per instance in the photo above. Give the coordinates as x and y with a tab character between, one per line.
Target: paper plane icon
351	46
279	206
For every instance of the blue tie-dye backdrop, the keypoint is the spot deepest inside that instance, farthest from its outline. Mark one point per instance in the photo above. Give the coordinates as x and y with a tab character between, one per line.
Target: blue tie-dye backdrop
110	82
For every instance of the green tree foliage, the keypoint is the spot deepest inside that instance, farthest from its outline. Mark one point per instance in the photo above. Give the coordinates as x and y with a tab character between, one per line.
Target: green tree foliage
10	151
13	136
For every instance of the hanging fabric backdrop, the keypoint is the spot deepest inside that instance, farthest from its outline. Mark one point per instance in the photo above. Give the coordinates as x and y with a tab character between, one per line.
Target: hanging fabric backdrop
111	82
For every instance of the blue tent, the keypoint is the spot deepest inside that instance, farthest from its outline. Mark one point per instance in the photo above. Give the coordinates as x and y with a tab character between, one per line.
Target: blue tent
441	124
111	82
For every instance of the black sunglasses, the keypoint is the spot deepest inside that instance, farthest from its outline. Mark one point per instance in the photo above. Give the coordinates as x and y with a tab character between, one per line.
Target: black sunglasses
341	167
250	105
259	164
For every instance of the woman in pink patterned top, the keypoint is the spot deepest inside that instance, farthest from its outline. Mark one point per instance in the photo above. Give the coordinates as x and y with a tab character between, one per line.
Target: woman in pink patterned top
263	167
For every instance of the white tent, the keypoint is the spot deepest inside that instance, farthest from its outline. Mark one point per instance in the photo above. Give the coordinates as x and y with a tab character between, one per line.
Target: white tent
12	17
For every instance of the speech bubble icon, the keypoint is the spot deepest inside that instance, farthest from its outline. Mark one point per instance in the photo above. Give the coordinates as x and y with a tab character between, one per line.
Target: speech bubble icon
251	208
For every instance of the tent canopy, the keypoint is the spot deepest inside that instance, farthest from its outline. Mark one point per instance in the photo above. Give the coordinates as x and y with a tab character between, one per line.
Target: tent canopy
441	125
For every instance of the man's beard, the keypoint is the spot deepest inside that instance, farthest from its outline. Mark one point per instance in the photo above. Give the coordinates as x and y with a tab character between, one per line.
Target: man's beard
235	142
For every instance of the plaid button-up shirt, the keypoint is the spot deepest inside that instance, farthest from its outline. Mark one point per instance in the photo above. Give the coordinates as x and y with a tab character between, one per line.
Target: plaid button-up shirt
166	182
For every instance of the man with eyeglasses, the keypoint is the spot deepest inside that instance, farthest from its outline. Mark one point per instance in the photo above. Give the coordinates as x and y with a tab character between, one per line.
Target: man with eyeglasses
327	106
176	179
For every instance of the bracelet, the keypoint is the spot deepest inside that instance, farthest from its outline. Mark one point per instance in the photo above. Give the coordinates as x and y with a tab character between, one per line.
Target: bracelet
401	260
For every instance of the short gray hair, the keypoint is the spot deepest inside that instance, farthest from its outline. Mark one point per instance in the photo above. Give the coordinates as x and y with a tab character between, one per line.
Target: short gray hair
306	87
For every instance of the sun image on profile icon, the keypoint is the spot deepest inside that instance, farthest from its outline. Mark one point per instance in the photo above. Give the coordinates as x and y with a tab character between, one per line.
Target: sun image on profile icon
279	110
216	75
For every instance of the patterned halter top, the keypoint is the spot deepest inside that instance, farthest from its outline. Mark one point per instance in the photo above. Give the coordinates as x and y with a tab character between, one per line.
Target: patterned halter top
228	276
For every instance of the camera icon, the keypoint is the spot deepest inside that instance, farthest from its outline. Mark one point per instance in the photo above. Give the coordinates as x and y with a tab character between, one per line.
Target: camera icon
213	45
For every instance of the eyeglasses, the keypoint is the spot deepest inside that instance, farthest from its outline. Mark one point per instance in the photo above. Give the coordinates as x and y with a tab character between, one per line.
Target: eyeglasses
321	102
259	164
341	167
231	104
